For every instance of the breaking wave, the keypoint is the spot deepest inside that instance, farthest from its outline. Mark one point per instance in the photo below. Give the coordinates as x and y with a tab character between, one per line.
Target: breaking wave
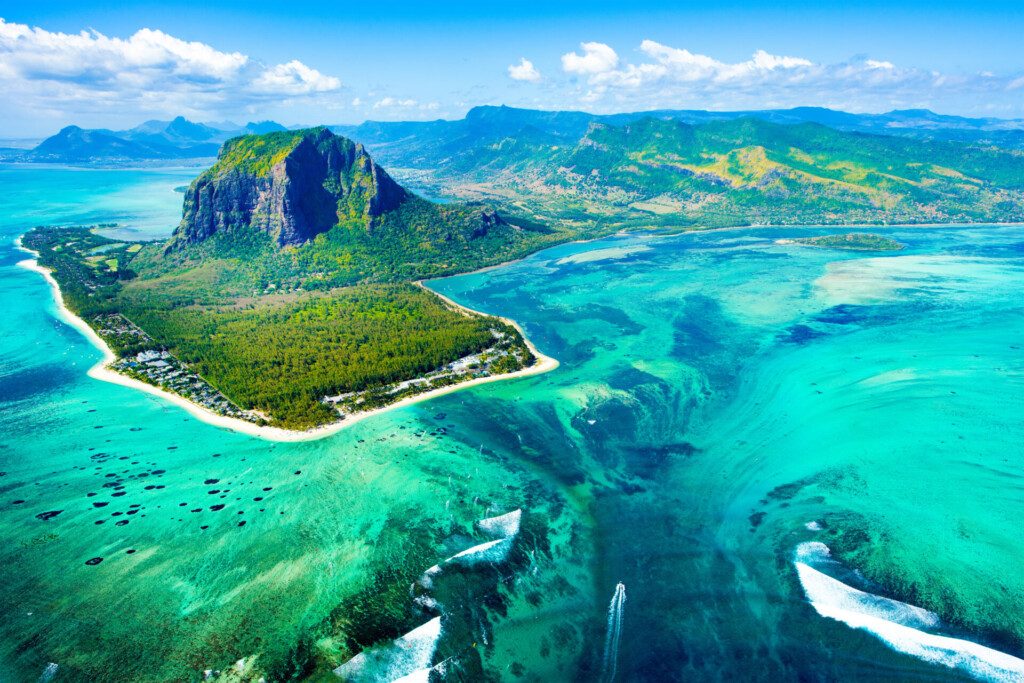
897	624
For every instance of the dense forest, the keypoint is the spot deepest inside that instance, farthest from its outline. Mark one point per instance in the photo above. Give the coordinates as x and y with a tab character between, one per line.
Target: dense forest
279	354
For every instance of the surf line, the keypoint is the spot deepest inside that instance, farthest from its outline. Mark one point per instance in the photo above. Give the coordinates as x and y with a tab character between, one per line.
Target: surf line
905	628
613	633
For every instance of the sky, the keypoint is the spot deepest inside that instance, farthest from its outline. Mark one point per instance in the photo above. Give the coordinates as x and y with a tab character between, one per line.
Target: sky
115	64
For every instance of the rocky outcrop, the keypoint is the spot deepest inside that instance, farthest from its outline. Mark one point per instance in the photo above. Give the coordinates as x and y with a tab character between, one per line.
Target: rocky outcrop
292	185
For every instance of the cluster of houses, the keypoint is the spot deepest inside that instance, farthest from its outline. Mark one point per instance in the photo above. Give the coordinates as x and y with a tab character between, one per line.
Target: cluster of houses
162	369
465	368
117	326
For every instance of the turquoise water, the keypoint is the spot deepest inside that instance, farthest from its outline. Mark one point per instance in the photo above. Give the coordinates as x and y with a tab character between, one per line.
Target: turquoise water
721	400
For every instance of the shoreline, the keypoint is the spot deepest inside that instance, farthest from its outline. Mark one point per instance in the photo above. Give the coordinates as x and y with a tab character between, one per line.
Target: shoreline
101	371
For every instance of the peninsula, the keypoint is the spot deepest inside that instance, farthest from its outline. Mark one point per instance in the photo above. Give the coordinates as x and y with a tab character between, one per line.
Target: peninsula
287	298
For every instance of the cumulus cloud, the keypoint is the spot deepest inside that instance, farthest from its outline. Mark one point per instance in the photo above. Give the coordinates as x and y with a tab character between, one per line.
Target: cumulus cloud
875	64
389	102
597	58
294	78
149	71
667	76
524	71
405	104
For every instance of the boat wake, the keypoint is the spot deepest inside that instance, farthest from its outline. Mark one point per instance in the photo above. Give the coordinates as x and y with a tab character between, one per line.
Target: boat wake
904	628
613	633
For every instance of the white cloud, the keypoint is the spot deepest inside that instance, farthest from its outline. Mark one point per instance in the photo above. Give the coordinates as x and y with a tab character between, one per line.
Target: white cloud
524	71
37	53
294	78
596	58
875	64
672	77
682	66
149	71
394	102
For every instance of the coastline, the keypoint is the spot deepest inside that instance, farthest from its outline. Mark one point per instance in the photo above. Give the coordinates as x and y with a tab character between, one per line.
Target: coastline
101	371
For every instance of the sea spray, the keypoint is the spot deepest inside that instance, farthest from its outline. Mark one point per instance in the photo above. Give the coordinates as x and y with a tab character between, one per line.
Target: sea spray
903	627
407	657
48	673
610	663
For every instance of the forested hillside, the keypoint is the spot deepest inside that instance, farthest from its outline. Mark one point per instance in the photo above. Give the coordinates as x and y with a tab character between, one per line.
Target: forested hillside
631	171
288	282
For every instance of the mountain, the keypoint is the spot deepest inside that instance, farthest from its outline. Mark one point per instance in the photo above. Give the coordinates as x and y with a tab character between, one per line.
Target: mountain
178	138
438	144
445	144
655	171
179	131
74	144
291	185
313	207
261	127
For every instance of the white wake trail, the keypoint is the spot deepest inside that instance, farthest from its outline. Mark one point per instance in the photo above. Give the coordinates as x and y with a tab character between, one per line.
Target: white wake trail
610	663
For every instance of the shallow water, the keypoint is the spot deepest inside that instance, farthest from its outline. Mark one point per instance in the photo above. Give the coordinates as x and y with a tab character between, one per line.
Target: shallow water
717	394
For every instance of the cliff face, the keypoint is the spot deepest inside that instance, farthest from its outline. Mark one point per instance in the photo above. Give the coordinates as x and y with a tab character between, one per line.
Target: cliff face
292	185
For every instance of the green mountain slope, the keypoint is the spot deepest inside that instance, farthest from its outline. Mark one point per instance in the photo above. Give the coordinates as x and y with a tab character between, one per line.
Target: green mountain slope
311	209
288	282
735	172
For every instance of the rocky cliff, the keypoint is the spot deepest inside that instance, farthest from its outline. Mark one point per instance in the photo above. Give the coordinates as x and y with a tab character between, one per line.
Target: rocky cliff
292	185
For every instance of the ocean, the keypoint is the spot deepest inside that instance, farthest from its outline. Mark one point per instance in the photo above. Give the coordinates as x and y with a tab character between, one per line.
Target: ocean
756	461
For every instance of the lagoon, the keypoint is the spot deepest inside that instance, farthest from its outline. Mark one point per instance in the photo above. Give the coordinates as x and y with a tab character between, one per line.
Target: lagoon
722	400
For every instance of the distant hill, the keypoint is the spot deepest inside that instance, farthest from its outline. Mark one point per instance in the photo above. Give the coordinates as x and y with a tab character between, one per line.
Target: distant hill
429	145
73	144
261	127
178	138
660	170
420	144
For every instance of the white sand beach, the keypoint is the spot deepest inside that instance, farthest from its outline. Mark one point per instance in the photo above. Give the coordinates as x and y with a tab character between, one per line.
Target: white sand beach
102	371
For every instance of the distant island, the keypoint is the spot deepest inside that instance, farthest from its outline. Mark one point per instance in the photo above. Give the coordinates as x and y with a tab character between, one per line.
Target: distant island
854	241
287	297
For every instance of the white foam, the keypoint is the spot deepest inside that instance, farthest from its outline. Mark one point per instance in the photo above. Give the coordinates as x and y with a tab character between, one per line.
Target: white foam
813	526
48	673
613	634
492	551
502	526
418	676
898	624
400	660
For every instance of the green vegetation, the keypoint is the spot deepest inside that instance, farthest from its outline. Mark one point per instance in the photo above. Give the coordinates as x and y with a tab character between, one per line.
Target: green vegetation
655	172
419	240
854	241
278	354
288	278
256	154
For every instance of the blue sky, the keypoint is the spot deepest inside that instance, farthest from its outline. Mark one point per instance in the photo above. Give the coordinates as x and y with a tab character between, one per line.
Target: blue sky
337	62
